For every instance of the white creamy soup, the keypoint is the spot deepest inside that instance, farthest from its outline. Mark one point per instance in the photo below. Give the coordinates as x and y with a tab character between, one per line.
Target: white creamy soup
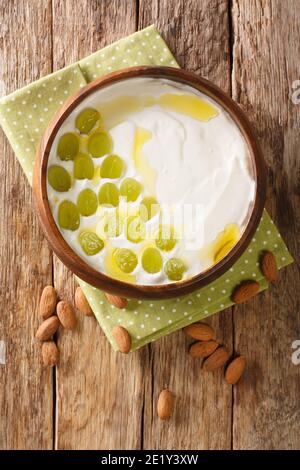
150	181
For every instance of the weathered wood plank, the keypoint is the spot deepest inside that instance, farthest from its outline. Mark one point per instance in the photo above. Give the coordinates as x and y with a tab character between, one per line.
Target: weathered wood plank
99	392
26	261
80	28
101	406
266	47
198	34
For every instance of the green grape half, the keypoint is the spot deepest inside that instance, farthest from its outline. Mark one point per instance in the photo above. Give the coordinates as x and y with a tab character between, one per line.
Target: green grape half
68	215
86	120
135	229
112	167
165	239
99	144
152	260
59	178
90	242
87	202
109	195
149	207
131	189
125	259
174	269
68	146
83	167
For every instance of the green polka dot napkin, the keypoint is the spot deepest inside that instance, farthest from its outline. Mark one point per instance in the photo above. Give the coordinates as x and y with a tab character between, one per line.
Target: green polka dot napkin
24	116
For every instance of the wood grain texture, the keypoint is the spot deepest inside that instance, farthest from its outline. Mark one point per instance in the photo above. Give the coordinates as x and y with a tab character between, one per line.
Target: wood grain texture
26	262
266	52
105	400
83	27
99	392
198	34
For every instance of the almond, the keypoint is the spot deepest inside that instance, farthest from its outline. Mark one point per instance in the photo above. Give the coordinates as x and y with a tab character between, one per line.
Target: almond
268	266
216	360
203	349
200	331
47	328
66	314
245	291
82	304
165	404
48	302
235	370
122	338
118	302
50	353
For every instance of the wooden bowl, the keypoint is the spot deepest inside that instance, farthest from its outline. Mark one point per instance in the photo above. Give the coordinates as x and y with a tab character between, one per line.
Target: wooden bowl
78	265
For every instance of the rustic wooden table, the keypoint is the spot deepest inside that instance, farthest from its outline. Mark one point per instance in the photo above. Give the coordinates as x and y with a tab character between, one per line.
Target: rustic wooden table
97	398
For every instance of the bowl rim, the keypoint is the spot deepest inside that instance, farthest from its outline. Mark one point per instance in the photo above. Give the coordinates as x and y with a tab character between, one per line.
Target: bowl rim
114	286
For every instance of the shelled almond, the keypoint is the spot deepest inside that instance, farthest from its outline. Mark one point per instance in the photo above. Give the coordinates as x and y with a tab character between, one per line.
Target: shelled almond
118	302
203	349
245	291
268	266
165	404
50	353
216	360
82	304
65	317
215	356
47	328
66	314
123	339
48	302
200	331
235	370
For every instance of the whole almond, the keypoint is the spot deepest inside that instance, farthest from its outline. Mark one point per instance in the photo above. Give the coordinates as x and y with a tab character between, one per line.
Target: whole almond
123	339
203	348
47	328
235	370
268	266
200	331
48	302
216	360
245	291
82	304
66	314
116	301
165	404
50	353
